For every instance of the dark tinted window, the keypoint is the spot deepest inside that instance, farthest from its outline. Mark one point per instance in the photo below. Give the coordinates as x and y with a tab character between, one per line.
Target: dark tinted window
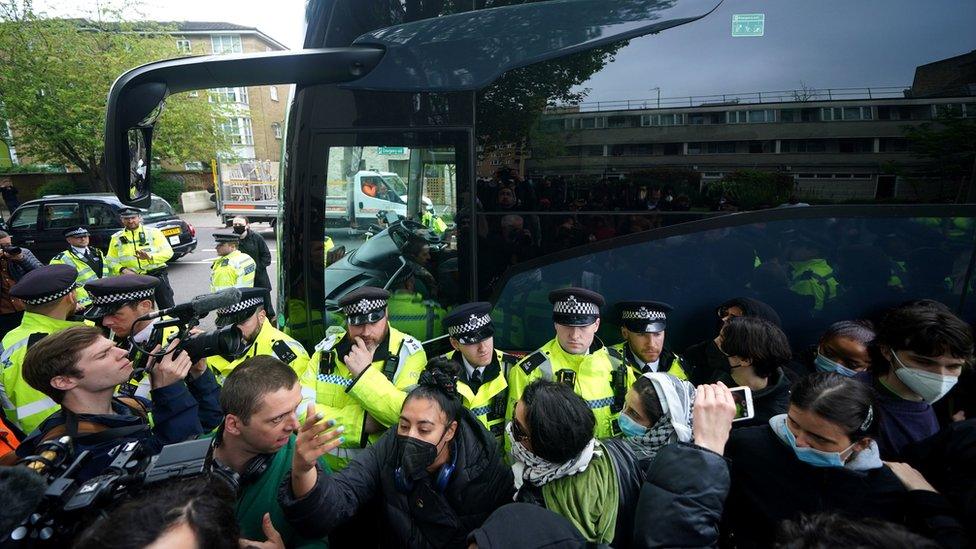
25	218
813	270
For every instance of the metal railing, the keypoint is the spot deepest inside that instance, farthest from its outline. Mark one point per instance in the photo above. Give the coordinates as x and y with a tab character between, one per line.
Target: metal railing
732	99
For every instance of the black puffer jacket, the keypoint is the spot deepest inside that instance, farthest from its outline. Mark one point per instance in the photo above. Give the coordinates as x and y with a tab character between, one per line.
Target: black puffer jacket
682	498
769	485
424	517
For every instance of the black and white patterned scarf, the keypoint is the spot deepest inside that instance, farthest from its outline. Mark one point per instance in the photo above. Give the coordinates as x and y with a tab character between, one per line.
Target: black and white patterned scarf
528	467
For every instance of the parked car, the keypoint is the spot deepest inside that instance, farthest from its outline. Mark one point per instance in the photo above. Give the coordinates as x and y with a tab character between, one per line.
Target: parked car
38	224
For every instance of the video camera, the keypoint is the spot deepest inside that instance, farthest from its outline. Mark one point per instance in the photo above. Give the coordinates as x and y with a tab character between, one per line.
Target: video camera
226	341
52	507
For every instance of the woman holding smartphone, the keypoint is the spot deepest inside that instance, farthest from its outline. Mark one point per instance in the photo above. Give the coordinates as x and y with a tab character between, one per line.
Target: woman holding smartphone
820	456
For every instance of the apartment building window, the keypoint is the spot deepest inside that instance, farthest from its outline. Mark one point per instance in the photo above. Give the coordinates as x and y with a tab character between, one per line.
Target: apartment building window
274	93
229	95
226	43
855	146
802	146
759	116
276	128
673	119
964	110
589	123
623	121
238	129
893	144
761	147
833	114
706	118
183	45
672	149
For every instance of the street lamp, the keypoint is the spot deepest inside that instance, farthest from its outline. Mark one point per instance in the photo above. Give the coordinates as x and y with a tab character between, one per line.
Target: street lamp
658	90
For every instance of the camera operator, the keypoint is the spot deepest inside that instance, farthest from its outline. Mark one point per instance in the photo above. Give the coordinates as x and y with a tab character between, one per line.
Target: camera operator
117	304
49	295
263	339
15	262
80	369
253	448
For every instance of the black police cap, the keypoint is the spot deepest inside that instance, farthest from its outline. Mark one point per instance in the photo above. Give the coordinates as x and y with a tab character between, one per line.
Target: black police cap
644	316
129	212
45	284
470	323
75	231
251	299
364	305
575	306
227	237
110	293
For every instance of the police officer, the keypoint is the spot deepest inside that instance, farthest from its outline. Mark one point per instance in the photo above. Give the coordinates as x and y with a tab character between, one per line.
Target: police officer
118	302
234	268
137	249
48	294
409	312
360	377
643	325
87	259
484	370
261	337
577	358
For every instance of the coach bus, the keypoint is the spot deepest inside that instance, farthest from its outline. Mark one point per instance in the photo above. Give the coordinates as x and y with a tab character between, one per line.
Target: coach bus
513	118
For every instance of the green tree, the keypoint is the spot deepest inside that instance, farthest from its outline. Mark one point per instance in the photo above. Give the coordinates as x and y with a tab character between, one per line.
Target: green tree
55	75
946	150
753	189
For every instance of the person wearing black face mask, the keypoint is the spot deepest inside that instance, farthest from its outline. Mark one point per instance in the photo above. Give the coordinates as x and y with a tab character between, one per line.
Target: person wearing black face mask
254	245
439	475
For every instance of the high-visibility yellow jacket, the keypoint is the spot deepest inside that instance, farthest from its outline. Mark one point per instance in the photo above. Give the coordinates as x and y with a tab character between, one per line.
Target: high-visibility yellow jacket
86	271
271	342
23	404
234	270
419	317
600	379
491	399
379	391
124	244
670	362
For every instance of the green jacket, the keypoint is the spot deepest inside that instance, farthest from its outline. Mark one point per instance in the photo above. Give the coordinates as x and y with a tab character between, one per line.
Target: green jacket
261	496
23	404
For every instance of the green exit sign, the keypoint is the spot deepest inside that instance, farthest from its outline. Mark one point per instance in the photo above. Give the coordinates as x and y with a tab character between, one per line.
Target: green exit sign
390	150
748	24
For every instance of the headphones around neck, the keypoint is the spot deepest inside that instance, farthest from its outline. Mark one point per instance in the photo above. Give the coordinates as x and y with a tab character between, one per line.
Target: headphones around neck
405	485
253	469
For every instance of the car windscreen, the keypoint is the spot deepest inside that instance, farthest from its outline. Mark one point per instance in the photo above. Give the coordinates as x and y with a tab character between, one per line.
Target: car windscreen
158	209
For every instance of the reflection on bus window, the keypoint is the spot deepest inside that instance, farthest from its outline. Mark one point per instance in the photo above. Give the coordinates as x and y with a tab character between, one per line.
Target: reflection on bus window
372	238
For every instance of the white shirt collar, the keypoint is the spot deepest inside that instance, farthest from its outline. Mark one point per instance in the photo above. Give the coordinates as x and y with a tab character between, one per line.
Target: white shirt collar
79	251
470	369
143	335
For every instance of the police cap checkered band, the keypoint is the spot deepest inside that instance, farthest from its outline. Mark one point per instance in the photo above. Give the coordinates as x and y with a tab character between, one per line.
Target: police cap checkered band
474	324
364	306
242	306
574	306
122	297
77	231
643	313
40	300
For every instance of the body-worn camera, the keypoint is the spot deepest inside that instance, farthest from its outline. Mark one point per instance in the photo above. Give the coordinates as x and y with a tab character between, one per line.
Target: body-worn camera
12	250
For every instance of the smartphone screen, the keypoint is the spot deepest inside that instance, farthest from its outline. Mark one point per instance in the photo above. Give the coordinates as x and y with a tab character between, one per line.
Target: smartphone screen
742	396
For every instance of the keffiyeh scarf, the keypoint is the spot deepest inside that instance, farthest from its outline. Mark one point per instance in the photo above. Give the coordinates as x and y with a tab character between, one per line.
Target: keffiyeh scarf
528	467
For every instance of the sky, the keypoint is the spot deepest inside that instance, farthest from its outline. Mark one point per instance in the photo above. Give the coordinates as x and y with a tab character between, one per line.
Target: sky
283	20
820	44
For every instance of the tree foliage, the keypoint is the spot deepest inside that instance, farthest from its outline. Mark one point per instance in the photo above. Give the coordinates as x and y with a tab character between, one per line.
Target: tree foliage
753	189
55	75
947	151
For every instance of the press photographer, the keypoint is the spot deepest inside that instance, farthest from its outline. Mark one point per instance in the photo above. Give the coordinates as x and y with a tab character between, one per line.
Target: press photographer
15	262
80	369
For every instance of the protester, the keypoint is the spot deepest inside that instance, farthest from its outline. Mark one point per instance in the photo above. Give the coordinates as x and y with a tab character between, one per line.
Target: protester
190	513
843	348
757	352
15	262
917	357
253	244
253	448
704	362
525	525
559	465
820	456
439	475
657	412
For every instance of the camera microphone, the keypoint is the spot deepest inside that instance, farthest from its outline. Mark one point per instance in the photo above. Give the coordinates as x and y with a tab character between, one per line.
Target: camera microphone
21	490
200	305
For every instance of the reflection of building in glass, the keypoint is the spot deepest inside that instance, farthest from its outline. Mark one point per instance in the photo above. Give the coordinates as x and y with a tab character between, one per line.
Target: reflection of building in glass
836	144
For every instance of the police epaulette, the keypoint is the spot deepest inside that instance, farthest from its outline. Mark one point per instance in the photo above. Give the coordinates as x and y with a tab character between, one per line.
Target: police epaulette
533	361
326	344
412	345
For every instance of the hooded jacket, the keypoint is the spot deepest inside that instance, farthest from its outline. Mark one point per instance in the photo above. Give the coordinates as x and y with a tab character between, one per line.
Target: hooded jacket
422	516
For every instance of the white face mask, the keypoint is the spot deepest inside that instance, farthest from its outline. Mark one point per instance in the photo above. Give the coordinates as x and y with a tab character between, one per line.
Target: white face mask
930	386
